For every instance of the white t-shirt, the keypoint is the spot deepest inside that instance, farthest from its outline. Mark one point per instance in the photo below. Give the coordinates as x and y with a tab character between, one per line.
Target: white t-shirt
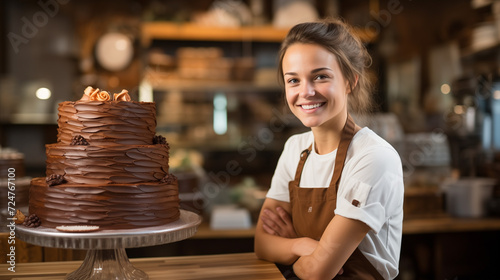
372	175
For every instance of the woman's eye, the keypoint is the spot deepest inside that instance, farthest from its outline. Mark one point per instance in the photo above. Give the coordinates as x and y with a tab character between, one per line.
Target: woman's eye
321	77
292	81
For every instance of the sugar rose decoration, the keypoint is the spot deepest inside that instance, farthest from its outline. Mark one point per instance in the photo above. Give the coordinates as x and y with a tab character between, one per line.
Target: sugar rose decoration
100	96
87	92
95	94
122	96
91	94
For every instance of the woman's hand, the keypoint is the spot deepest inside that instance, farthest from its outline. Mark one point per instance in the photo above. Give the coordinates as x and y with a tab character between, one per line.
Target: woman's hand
278	223
269	245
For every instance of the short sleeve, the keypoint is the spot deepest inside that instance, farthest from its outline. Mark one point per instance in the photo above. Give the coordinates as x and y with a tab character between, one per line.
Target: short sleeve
371	187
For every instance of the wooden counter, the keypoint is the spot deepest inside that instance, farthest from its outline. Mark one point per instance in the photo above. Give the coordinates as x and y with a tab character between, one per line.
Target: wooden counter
244	266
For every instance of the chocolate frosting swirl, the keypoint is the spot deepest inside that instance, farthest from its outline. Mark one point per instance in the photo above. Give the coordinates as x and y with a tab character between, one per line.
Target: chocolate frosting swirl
114	122
108	164
115	206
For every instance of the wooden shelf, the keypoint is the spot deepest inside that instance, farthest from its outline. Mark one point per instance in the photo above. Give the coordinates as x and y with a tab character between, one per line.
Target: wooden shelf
485	52
163	82
162	30
194	32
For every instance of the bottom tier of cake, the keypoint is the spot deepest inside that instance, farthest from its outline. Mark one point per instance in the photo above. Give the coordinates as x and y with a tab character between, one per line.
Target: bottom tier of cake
111	206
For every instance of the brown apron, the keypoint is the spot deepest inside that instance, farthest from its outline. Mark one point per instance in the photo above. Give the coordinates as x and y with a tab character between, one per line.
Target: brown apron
313	208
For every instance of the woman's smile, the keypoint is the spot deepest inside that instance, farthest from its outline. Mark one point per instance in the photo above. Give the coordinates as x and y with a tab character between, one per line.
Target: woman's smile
311	106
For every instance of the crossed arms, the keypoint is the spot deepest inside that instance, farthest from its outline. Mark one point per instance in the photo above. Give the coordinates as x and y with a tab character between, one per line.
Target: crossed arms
276	241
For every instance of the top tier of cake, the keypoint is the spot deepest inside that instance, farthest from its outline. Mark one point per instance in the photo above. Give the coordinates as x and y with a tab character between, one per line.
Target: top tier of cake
107	141
107	122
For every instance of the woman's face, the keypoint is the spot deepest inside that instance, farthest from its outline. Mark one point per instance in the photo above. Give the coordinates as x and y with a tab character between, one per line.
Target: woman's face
316	90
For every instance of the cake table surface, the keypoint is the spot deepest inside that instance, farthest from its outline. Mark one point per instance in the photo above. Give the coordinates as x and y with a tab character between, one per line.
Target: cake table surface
242	266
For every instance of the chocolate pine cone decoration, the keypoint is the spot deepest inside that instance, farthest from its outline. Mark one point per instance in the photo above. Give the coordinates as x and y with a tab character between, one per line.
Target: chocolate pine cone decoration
32	221
169	179
158	139
54	179
78	140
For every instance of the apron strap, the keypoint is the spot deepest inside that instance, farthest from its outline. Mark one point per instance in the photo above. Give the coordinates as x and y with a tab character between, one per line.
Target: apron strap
345	140
303	156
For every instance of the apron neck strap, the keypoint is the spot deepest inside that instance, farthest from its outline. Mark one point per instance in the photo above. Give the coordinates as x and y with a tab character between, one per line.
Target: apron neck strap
303	156
345	139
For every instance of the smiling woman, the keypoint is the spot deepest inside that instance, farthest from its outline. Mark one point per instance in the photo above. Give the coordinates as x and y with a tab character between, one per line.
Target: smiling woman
315	88
335	206
351	55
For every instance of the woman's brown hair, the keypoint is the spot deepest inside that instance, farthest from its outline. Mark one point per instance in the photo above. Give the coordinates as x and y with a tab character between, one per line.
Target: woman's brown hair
352	56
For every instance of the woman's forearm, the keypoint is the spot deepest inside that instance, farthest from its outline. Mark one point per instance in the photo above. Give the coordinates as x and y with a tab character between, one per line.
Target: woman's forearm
282	250
338	242
317	266
274	248
272	245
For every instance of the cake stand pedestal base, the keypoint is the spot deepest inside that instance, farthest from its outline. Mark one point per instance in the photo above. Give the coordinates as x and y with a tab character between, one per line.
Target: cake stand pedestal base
106	257
107	264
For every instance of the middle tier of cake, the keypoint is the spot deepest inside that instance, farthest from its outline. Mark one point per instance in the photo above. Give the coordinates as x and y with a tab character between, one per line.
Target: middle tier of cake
109	164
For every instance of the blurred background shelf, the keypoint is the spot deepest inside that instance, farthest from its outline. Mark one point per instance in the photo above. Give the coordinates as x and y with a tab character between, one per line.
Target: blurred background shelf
195	32
164	82
164	30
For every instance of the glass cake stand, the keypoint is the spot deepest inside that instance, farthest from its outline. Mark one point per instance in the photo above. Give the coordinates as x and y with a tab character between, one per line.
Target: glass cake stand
106	257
